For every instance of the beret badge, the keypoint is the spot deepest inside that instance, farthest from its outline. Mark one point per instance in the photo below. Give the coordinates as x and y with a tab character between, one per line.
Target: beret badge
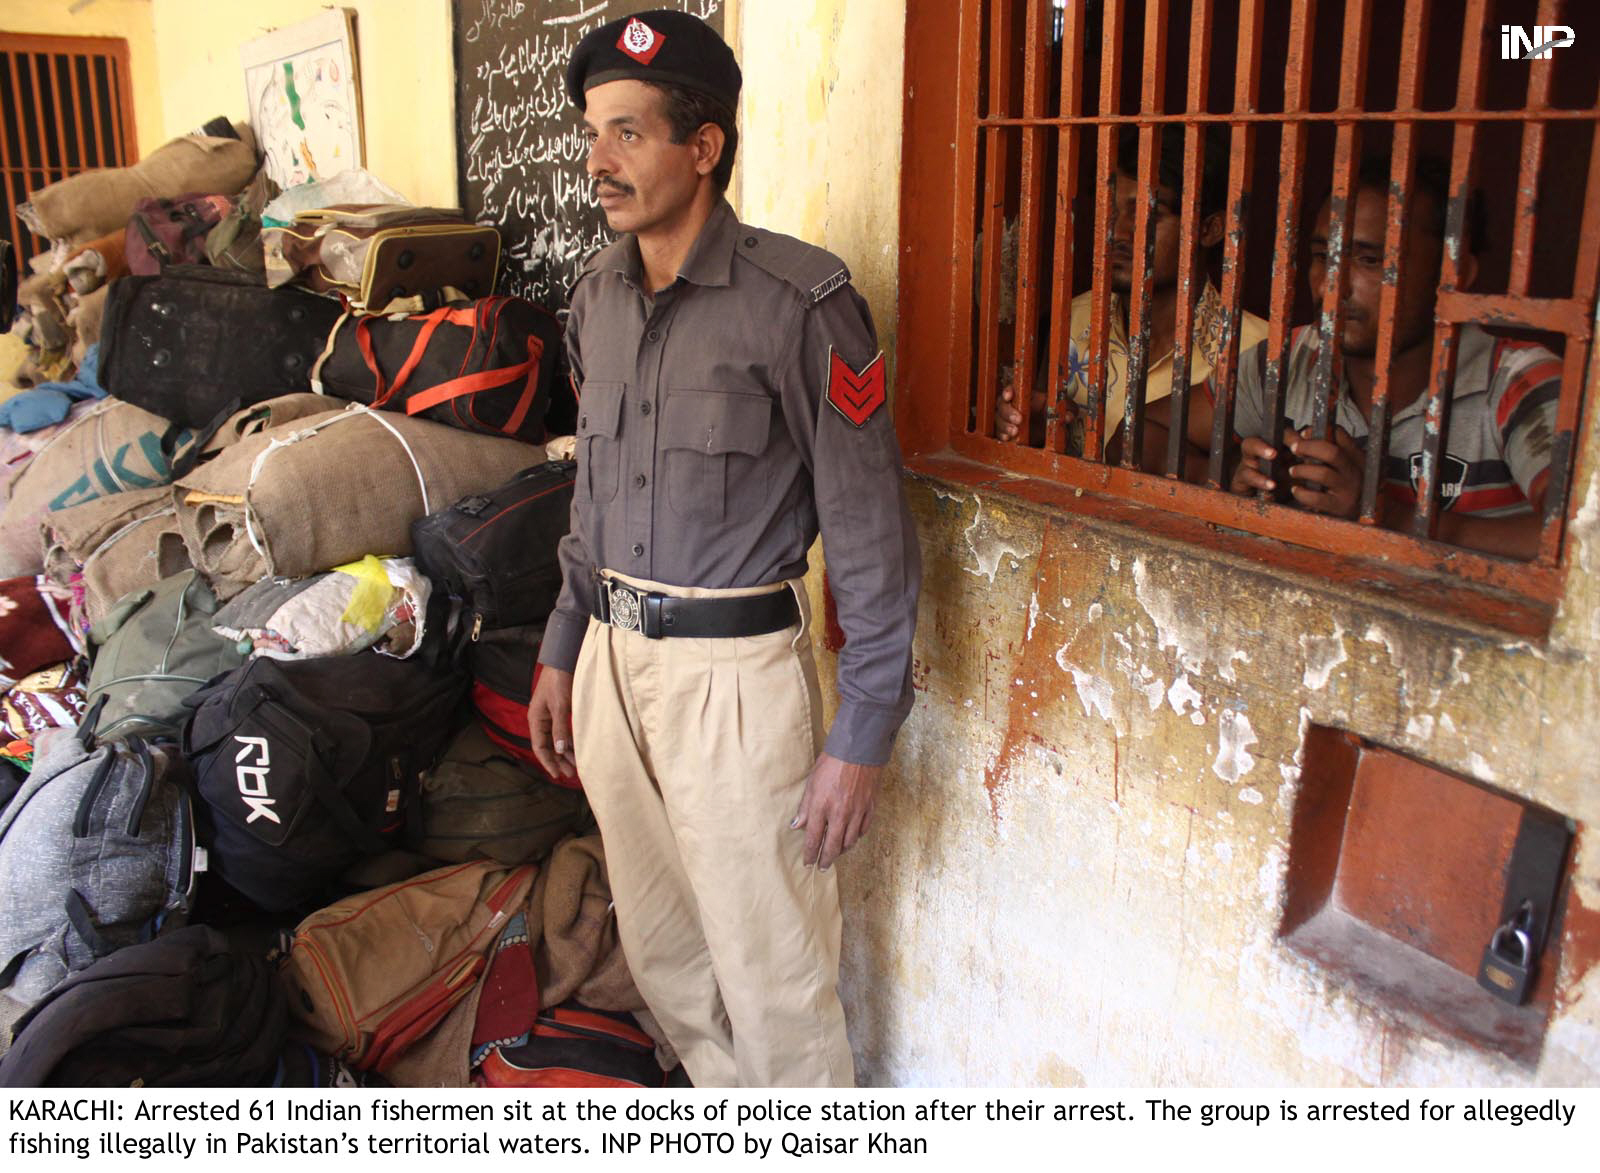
640	41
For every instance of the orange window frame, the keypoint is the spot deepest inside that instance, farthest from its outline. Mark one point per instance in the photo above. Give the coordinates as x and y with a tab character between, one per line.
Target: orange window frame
943	280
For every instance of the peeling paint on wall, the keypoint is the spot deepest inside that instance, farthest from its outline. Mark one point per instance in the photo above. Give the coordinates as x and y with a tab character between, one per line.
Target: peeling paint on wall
1234	739
1323	654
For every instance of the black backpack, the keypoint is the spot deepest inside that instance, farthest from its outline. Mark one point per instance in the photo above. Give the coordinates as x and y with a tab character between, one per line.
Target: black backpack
304	766
496	551
184	1010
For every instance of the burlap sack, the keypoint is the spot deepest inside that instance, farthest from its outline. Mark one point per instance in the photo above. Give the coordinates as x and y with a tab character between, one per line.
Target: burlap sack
120	543
111	448
578	954
93	203
17	449
84	322
330	489
271	413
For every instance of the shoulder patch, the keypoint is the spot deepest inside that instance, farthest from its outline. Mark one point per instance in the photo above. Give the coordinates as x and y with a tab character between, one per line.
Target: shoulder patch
813	272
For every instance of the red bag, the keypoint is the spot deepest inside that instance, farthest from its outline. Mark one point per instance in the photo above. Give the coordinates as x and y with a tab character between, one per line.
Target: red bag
573	1046
486	365
171	232
505	719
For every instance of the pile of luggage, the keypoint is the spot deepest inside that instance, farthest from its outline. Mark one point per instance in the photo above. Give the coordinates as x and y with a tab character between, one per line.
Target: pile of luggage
272	602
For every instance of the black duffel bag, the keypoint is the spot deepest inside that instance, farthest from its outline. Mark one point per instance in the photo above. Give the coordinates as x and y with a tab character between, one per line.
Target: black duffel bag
196	342
486	365
496	551
304	766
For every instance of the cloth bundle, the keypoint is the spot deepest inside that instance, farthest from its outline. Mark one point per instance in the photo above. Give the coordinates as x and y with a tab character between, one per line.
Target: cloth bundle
118	544
379	603
327	490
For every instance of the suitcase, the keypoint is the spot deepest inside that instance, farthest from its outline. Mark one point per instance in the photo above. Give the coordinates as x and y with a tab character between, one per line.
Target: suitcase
196	340
496	551
373	254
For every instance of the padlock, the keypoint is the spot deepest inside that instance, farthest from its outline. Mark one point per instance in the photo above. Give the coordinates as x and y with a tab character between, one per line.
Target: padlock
1507	969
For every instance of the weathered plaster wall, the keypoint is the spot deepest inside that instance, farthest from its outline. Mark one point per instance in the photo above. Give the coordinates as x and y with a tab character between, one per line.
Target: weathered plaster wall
1076	872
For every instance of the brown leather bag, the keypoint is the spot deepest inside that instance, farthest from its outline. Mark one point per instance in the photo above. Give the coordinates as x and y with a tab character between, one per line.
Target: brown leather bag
376	253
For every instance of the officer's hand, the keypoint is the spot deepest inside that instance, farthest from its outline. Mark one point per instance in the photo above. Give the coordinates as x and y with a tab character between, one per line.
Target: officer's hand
836	808
550	723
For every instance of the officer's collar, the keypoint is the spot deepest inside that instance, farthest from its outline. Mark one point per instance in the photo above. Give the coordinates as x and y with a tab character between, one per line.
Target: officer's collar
710	259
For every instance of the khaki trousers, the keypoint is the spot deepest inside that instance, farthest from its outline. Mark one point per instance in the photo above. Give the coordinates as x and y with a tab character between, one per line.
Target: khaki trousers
694	754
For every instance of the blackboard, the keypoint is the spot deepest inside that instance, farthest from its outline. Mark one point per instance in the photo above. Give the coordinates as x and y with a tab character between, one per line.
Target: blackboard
519	143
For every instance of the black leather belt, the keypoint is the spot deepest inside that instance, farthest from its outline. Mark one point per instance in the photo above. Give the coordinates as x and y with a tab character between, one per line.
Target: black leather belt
656	615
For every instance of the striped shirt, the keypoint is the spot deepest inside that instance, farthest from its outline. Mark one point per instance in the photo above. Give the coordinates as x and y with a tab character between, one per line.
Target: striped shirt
1502	421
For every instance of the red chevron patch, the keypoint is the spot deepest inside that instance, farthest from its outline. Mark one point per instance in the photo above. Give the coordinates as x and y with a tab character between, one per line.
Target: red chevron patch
856	395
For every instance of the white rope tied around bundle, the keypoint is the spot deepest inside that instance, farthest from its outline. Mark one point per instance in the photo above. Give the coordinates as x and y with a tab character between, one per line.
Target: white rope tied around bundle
301	434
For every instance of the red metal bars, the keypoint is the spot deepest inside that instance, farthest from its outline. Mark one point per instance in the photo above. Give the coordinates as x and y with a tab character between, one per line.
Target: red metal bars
1094	428
1241	163
1327	370
1413	47
1539	74
996	169
1058	383
1436	415
1286	239
1035	82
1144	235
1189	269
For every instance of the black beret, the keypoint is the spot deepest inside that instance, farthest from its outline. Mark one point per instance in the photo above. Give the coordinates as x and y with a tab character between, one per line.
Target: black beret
664	46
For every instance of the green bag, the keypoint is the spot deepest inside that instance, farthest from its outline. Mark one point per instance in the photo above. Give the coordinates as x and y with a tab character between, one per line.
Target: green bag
151	650
481	803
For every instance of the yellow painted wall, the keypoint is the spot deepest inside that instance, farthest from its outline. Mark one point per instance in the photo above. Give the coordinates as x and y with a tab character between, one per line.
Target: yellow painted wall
407	78
128	19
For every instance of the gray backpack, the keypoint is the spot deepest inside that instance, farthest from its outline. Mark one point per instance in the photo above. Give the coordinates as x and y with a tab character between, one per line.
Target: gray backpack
154	648
97	852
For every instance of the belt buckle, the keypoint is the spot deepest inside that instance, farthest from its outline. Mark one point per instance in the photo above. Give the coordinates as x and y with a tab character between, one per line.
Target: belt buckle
624	604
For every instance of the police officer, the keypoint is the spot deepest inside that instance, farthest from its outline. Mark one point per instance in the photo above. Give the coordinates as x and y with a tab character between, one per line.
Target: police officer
731	404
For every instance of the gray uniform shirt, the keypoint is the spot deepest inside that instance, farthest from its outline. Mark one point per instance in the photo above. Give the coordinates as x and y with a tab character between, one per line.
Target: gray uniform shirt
709	455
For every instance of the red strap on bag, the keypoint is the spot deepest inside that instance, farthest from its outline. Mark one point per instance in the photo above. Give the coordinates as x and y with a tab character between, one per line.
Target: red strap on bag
431	321
484	380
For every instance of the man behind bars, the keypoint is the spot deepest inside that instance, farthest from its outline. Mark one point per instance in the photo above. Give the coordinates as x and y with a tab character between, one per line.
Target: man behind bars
732	401
1496	463
1206	336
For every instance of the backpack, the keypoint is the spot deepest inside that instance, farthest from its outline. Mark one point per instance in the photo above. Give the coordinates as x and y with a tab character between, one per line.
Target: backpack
485	365
496	551
185	1010
97	852
156	647
480	803
371	975
166	232
303	766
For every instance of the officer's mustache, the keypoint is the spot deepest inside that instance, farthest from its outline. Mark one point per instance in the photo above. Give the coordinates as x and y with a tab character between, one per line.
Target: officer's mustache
614	185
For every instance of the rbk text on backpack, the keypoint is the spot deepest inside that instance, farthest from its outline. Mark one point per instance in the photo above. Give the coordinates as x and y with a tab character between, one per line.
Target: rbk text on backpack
371	975
97	852
188	1009
303	766
486	365
496	551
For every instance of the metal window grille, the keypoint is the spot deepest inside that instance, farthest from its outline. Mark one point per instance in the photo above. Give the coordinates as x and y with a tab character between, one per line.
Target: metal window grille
66	105
1033	108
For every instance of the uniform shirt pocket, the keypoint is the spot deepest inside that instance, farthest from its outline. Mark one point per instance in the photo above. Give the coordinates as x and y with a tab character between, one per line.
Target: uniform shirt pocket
599	445
711	443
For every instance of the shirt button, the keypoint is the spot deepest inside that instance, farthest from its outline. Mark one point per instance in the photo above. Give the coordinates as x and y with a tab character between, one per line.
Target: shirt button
638	550
644	408
653	335
638	481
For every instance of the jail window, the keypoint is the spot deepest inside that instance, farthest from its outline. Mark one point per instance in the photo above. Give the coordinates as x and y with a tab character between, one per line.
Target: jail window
1360	239
66	105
